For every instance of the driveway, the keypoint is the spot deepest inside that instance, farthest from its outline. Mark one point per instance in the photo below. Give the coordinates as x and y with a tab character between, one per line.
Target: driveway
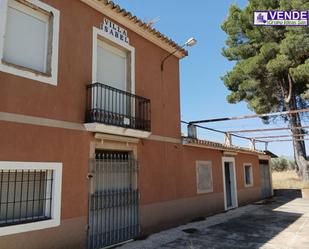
279	223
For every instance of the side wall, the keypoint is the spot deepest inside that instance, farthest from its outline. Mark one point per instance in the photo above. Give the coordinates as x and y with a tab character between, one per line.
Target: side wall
168	184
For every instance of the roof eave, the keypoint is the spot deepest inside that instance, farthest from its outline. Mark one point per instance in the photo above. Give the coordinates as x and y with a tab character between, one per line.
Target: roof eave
125	18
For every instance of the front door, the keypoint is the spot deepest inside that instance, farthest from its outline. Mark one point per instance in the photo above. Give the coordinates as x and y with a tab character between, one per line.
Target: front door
113	201
229	178
228	189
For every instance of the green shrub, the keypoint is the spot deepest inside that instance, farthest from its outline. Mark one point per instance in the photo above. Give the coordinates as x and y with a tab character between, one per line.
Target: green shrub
282	164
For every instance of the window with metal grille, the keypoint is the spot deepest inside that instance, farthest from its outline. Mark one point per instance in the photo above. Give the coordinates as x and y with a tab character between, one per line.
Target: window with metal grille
248	175
30	196
26	196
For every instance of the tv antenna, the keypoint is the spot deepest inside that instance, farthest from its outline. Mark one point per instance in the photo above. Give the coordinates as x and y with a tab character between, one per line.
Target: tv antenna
153	21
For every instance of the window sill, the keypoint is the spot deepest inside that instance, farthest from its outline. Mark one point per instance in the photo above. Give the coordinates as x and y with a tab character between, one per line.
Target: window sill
26	69
248	186
28	73
202	192
21	228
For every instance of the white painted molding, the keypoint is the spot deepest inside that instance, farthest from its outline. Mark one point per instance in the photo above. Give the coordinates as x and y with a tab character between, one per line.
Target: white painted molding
230	160
251	174
116	130
108	137
229	153
56	198
100	34
46	122
52	80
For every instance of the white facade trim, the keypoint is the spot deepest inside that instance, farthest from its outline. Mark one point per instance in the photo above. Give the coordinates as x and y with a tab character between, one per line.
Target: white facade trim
235	201
56	196
251	174
116	130
54	123
52	80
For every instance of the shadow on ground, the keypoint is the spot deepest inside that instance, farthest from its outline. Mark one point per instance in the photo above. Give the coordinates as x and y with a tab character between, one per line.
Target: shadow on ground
251	230
277	223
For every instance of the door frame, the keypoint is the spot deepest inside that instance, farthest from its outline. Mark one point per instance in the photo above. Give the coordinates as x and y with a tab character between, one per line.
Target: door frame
234	197
111	143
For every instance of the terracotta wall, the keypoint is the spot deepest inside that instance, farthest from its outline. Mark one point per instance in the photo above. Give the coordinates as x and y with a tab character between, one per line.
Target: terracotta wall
242	159
67	100
168	183
172	175
20	142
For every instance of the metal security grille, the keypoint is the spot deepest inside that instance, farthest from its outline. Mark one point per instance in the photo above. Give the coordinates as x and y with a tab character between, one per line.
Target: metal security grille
25	196
109	105
113	201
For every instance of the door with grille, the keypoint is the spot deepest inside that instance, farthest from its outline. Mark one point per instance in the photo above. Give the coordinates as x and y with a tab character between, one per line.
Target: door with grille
113	199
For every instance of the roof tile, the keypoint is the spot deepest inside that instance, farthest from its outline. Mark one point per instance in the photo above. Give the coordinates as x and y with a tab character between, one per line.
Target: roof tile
142	24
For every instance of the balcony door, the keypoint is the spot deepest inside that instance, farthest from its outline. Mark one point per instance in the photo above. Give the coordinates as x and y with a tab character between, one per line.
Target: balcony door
112	70
111	66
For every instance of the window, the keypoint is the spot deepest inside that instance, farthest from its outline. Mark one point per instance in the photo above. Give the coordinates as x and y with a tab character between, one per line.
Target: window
248	175
113	62
30	40
204	177
112	66
29	196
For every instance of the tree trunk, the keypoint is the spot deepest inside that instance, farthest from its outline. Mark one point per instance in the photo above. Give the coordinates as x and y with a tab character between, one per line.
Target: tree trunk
298	143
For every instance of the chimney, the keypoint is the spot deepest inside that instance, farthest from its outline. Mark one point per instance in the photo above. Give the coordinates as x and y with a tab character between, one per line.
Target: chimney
192	133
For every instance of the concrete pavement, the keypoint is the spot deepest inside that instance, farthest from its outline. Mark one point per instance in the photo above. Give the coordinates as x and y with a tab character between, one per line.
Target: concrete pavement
280	223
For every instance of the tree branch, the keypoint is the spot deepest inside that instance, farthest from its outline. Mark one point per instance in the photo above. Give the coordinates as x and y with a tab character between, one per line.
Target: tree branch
288	98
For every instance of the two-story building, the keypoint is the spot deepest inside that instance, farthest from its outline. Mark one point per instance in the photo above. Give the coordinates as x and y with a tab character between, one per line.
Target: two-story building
91	152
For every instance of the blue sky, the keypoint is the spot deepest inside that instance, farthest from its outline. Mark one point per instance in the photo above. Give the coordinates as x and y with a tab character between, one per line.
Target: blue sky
203	94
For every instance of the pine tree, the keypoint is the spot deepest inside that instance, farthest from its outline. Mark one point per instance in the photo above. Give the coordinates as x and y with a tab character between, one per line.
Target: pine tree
271	72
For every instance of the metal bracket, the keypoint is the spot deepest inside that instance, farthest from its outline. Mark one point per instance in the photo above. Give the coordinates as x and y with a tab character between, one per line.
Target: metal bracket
90	175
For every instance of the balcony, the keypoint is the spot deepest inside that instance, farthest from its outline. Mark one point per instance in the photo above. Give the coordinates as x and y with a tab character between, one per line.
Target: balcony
113	111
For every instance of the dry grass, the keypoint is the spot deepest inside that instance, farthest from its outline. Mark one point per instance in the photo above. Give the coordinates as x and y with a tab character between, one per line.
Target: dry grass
288	180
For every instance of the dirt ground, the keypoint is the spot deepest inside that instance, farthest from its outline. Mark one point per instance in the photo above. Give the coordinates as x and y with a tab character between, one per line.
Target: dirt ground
280	223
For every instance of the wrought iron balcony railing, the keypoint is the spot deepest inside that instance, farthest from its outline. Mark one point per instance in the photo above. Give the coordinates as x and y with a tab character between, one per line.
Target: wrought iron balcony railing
111	106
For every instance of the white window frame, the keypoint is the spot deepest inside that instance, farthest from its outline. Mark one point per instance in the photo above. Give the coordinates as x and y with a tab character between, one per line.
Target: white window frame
197	165
235	193
251	175
15	70
56	196
100	34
